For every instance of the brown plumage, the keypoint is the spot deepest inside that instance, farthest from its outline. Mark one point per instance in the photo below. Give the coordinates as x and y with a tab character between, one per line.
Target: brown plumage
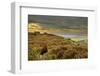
44	49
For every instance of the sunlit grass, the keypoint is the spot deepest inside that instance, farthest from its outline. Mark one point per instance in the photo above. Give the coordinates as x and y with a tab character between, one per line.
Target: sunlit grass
79	39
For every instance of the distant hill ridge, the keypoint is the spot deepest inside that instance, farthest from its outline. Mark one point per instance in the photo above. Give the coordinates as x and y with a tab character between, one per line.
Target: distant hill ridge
44	33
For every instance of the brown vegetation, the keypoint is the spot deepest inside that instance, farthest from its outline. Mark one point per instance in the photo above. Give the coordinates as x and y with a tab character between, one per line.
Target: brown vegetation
48	46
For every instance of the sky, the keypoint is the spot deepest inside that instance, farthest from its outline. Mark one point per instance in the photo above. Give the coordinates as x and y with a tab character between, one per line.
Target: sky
56	23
